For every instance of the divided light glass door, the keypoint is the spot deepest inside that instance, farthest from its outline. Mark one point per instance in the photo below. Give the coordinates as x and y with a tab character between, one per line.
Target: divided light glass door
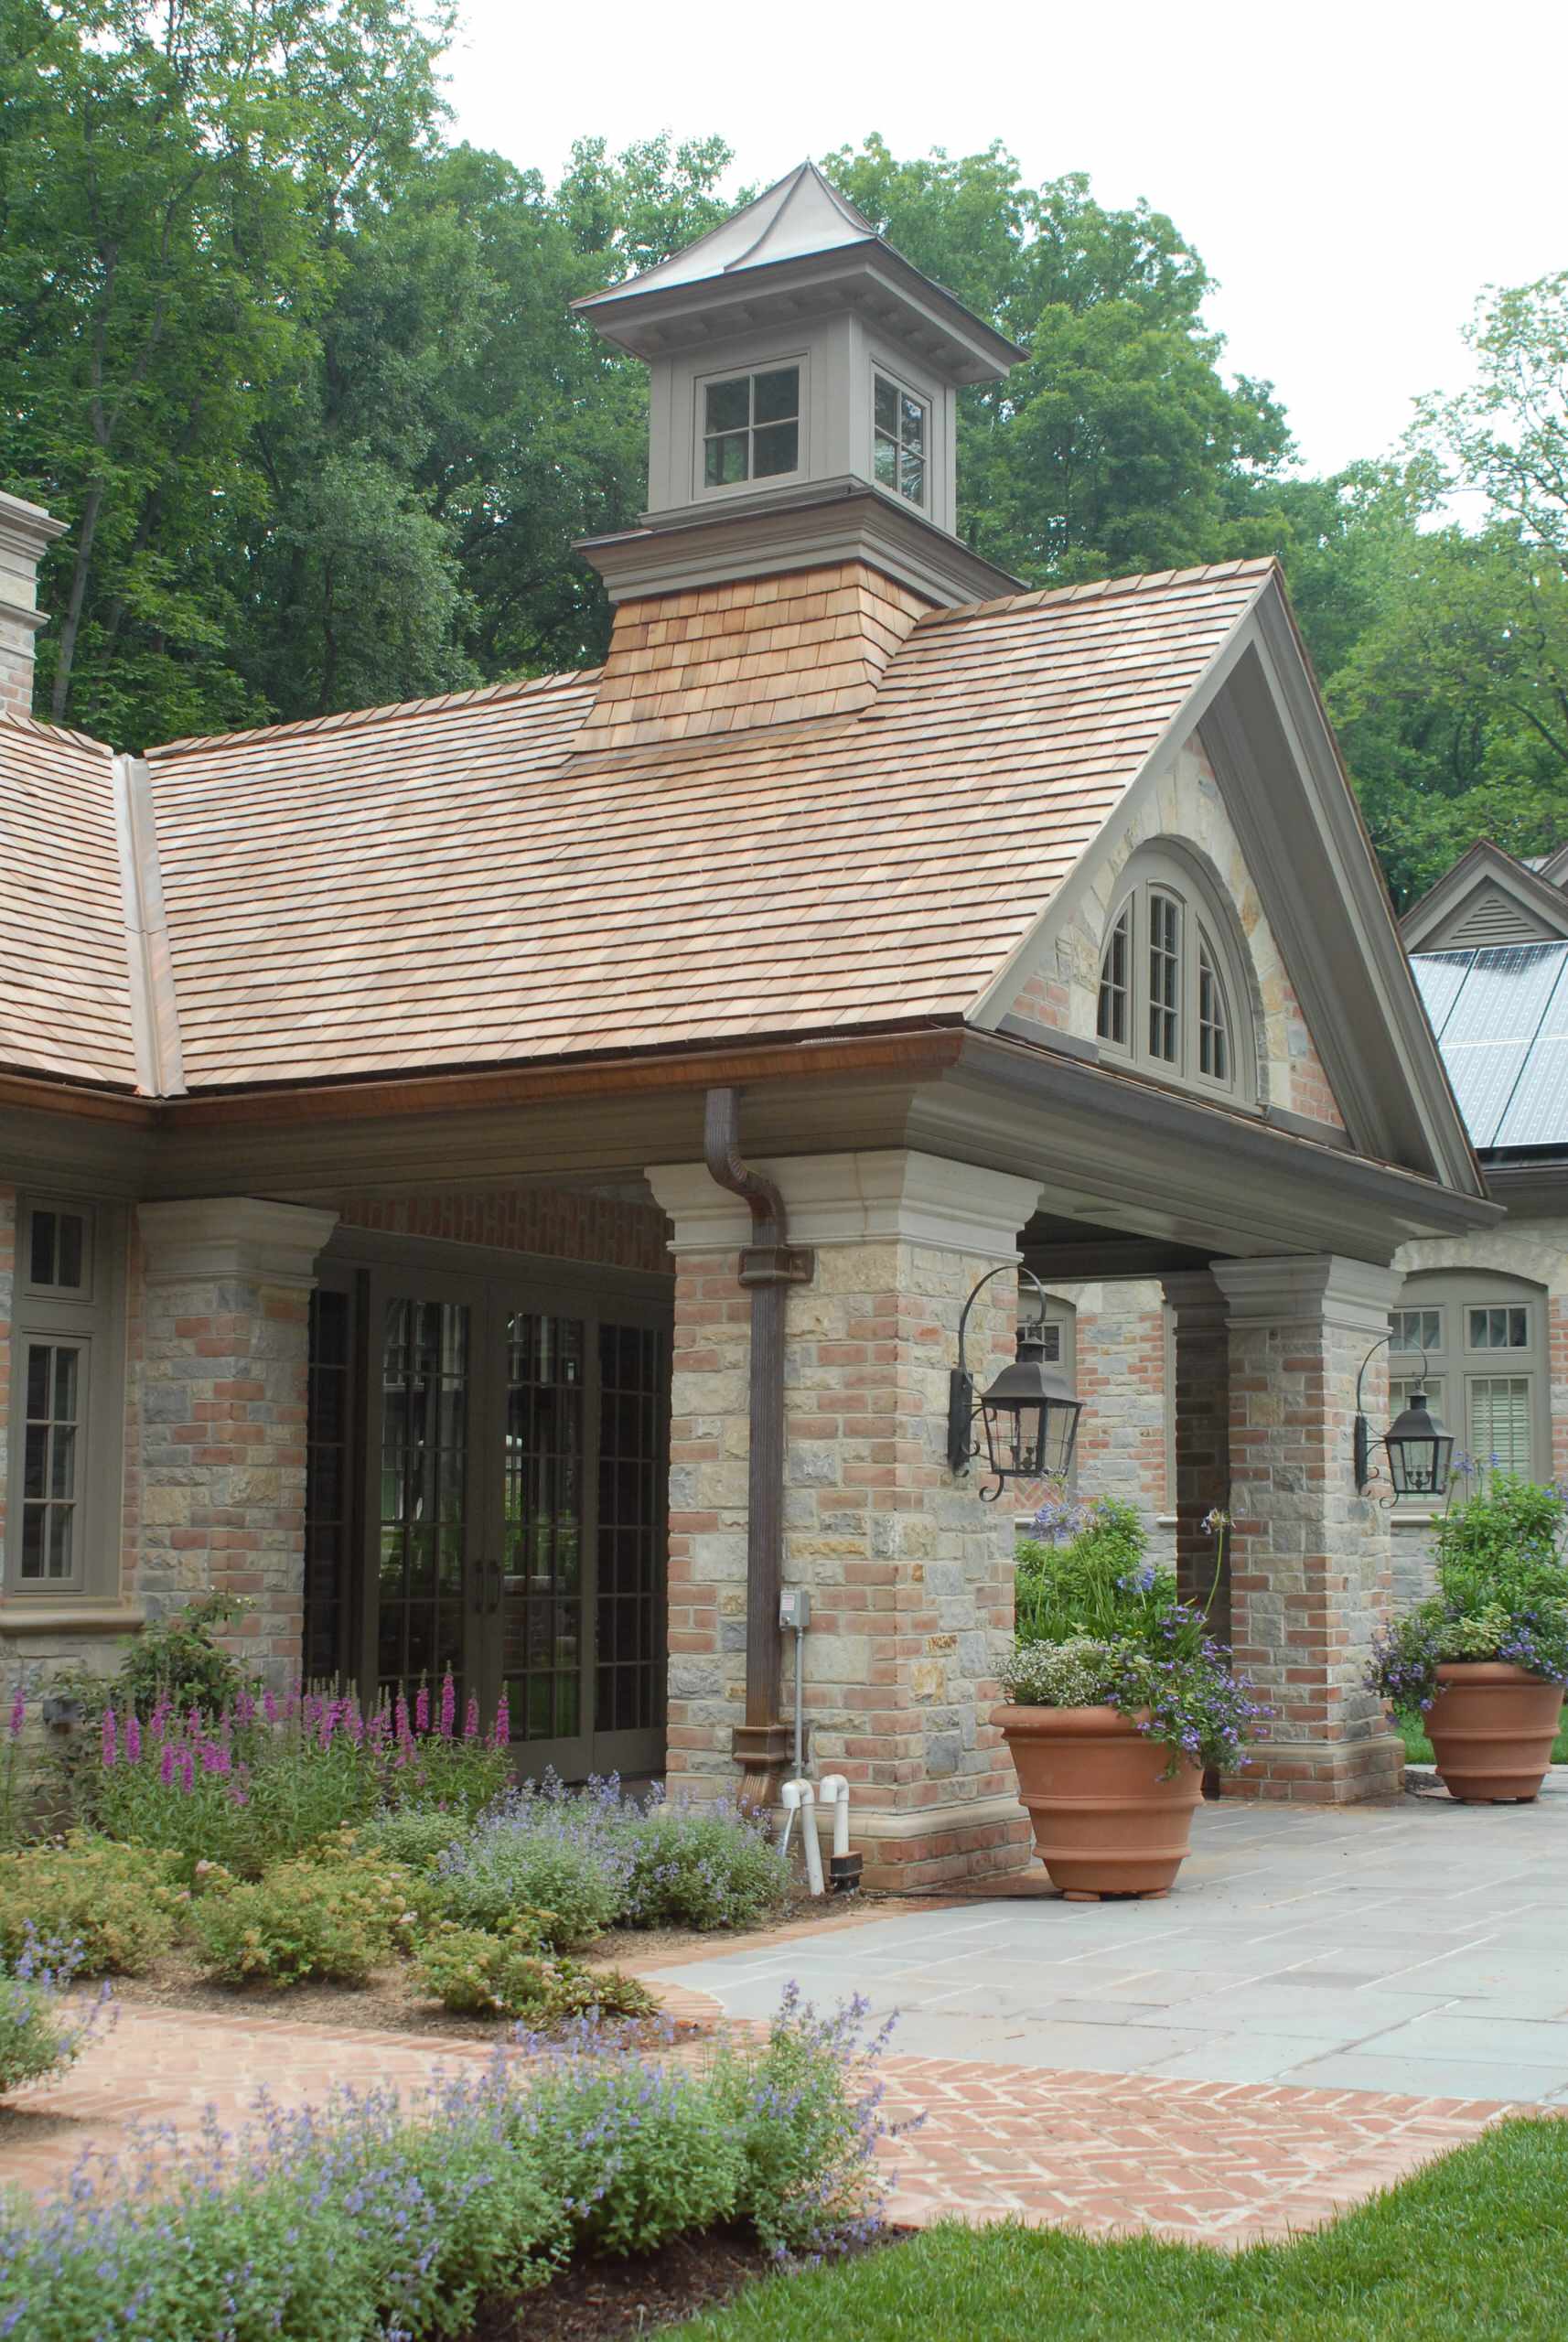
513	1495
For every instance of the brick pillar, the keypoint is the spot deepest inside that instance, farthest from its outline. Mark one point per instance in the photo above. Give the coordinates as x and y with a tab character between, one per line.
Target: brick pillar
223	1391
910	1573
1201	1399
1310	1567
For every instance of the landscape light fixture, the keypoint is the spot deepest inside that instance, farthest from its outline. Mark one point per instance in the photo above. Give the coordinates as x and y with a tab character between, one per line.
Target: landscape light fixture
1028	1417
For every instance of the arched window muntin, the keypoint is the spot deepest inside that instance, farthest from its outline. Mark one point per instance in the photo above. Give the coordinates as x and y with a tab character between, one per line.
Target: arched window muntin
1171	993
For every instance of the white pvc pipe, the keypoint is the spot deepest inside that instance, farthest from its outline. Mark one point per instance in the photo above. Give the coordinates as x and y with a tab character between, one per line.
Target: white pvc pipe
789	1799
834	1789
806	1798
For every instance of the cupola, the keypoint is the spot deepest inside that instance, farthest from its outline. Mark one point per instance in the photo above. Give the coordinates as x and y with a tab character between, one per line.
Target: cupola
803	395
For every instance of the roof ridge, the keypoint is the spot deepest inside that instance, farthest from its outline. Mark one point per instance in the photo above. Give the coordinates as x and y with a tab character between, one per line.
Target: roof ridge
55	731
1106	588
349	718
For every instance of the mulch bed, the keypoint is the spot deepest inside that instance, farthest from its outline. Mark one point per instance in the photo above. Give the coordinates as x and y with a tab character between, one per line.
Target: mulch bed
603	2301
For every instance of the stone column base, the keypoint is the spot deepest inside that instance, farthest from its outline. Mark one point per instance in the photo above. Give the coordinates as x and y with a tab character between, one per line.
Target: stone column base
911	1851
1322	1772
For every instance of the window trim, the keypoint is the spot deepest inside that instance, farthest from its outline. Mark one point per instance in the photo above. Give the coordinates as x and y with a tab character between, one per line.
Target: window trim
1456	1366
903	390
25	1287
1203	936
94	1319
752	485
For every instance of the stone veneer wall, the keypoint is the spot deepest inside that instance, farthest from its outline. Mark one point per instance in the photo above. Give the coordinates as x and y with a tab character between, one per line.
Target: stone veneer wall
1064	991
910	1573
1311	1570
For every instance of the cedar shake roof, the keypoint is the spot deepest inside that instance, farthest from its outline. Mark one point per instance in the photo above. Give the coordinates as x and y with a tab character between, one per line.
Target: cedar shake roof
65	983
478	880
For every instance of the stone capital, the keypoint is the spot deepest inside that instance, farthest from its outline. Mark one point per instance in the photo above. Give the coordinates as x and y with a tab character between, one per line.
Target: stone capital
886	1196
233	1237
1195	1298
1308	1289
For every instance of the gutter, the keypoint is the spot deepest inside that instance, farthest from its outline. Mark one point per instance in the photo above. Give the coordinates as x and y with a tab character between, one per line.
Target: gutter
762	1744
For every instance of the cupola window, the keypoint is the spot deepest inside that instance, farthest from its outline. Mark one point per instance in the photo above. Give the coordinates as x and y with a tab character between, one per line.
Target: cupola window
900	440
751	426
1168	982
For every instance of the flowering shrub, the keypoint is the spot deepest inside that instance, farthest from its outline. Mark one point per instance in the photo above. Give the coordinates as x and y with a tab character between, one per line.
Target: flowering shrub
338	1917
1502	1594
268	1777
118	1907
509	1975
36	2038
543	1848
1098	1624
364	2217
703	1866
180	1661
11	1769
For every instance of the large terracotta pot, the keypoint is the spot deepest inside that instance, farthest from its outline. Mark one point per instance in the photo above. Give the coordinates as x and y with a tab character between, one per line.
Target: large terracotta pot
1105	1822
1492	1728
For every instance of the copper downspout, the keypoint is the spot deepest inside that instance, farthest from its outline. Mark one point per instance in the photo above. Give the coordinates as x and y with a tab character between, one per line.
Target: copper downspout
767	1265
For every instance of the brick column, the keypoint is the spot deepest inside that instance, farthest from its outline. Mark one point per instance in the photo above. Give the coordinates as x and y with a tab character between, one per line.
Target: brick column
1311	1569
223	1391
1202	1403
910	1573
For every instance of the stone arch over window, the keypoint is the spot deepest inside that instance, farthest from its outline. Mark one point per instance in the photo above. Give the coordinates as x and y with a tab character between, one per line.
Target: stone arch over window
1486	1343
1176	987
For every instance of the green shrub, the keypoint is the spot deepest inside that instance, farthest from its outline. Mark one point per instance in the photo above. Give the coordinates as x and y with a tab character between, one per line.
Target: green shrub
1086	1573
119	1907
337	1916
1502	1594
178	1660
703	1866
416	1835
511	1975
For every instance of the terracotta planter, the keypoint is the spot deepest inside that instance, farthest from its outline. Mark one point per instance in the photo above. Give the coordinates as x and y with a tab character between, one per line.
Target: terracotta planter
1105	1822
1492	1728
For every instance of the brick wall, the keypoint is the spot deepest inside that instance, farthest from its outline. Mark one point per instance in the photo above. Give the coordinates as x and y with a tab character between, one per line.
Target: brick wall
1120	1340
558	1224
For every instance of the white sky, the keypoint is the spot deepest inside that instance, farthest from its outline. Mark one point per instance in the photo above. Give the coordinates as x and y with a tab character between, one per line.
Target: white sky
1352	175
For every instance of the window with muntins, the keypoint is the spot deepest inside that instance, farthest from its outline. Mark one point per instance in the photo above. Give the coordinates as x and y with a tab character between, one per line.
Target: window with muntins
67	1338
751	426
1166	988
901	439
1483	1336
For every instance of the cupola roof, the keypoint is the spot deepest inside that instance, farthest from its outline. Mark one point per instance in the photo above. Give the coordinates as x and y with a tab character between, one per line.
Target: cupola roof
802	237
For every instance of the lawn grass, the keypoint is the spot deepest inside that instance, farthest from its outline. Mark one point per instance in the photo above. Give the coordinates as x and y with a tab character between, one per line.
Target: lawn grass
1473	2248
1418	1748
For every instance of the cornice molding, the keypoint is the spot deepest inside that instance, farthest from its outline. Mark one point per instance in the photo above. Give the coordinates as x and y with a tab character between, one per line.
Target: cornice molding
1311	1287
893	1197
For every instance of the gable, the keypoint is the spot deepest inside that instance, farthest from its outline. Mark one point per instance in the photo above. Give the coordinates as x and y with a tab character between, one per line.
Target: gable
1488	898
1491	917
1182	811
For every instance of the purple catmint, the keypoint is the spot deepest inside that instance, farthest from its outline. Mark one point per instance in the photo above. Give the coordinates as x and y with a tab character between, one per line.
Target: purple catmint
422	1709
448	1706
133	1738
111	1742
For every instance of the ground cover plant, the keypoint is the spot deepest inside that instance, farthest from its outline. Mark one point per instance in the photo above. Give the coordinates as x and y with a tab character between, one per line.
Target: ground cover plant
1502	1594
511	1973
370	2217
1098	1623
1469	2250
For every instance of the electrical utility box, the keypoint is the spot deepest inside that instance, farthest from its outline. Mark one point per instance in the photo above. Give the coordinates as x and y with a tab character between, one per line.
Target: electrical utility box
795	1608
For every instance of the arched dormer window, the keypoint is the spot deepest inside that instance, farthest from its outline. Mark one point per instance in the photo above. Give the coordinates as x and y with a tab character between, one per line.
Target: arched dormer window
1170	986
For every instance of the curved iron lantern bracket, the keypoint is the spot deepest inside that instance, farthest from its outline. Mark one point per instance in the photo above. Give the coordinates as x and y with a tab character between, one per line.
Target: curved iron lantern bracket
1418	1449
1028	1417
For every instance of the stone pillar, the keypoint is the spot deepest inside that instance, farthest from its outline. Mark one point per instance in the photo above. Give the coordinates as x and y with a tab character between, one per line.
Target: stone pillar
1311	1568
1201	1399
223	1397
910	1572
26	533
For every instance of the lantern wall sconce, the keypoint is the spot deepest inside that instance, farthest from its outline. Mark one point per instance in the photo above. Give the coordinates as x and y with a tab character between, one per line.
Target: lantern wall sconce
1419	1450
1028	1417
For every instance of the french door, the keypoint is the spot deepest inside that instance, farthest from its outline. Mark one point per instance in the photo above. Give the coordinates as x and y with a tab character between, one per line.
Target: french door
508	1511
